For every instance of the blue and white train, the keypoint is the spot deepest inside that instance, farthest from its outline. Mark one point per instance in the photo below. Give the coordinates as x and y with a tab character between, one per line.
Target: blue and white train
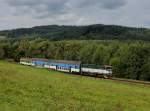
68	66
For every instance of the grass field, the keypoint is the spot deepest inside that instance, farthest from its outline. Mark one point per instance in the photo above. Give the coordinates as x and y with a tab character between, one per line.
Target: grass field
24	88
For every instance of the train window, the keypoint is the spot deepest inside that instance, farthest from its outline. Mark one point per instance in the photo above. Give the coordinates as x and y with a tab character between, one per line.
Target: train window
76	67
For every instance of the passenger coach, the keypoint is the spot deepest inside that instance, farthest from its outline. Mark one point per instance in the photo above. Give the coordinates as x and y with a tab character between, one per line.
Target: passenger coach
60	65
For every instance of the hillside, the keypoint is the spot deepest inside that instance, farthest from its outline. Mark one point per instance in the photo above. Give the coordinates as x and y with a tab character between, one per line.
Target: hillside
130	59
27	88
97	32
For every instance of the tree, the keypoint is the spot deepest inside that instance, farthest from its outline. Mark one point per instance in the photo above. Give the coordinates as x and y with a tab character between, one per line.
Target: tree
23	48
146	70
86	53
1	52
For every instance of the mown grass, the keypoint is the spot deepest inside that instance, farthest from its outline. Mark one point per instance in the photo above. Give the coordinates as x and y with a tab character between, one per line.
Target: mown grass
24	88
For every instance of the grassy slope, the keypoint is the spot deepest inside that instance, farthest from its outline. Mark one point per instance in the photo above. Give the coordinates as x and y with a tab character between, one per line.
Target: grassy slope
24	88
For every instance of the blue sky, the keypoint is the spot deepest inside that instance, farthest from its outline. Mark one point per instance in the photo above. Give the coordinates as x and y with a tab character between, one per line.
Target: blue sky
28	13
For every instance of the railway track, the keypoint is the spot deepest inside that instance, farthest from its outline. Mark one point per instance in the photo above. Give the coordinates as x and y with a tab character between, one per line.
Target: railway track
119	79
130	81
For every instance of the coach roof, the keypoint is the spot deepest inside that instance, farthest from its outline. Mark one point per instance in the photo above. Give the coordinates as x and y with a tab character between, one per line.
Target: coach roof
53	61
66	62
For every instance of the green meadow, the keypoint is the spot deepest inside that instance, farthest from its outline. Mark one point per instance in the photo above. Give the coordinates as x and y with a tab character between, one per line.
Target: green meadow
24	88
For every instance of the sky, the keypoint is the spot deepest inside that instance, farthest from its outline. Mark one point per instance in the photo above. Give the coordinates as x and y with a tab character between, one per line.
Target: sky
29	13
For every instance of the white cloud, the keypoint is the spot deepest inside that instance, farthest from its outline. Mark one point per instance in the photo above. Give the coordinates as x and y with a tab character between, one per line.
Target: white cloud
28	13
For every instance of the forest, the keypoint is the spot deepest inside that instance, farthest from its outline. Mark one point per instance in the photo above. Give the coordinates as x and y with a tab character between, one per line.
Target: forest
89	32
129	59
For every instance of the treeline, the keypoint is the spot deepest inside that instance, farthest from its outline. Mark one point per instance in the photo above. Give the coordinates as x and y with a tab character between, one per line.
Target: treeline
129	59
91	32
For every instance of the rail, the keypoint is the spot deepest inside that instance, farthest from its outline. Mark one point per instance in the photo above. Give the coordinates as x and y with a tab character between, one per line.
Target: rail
130	81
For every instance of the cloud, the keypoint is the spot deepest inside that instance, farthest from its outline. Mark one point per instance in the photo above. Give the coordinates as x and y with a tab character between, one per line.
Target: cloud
108	4
113	4
105	4
57	7
27	13
37	8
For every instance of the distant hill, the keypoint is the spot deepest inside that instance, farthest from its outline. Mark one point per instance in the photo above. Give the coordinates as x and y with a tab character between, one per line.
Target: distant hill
96	32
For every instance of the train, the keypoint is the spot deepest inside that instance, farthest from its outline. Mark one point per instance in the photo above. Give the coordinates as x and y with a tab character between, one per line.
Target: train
74	67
